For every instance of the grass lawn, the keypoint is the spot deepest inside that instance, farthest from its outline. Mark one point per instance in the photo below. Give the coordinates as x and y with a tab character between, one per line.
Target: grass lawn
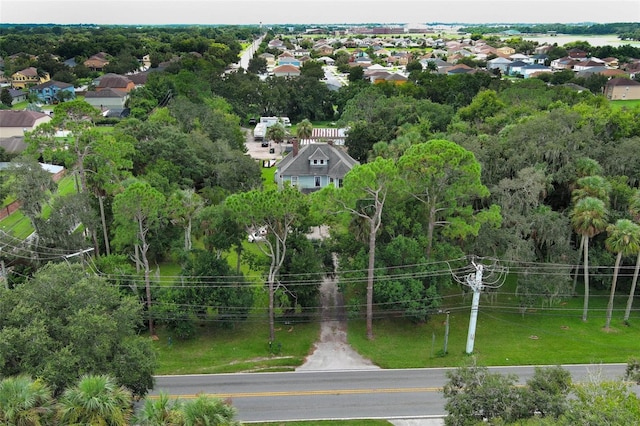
242	348
504	336
268	174
629	104
17	225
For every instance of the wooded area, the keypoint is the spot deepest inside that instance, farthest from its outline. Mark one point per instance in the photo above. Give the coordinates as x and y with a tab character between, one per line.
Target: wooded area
540	174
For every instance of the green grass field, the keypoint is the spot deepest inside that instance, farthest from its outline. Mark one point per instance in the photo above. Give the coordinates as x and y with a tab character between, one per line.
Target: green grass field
625	104
504	336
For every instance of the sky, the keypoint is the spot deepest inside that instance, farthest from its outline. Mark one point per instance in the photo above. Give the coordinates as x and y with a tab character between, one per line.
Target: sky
215	12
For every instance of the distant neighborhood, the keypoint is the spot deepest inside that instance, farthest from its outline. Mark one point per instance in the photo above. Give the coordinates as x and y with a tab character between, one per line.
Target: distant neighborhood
388	56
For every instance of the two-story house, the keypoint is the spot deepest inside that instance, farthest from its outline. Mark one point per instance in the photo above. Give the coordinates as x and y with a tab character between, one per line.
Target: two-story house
53	91
314	166
622	89
97	62
28	77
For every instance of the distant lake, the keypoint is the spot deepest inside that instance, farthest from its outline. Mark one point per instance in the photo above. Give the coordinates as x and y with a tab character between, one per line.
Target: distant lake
593	40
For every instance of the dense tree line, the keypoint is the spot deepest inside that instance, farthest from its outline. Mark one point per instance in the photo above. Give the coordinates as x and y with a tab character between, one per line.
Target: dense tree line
624	30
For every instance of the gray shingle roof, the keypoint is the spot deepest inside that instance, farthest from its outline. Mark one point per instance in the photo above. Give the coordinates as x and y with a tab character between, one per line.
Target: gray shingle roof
337	163
25	119
105	93
50	83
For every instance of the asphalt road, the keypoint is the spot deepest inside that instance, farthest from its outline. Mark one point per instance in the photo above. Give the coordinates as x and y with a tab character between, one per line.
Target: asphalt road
413	393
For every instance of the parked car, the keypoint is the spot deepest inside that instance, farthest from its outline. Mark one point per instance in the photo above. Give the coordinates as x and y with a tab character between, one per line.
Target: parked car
253	121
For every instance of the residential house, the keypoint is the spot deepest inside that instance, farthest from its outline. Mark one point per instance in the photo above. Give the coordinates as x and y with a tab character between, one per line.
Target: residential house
363	61
288	59
140	78
578	54
13	144
53	91
107	99
324	49
115	82
145	62
97	62
441	66
269	57
400	58
395	78
565	63
16	123
540	59
460	70
376	76
611	62
314	166
584	65
505	51
586	72
276	44
520	57
381	51
531	70
17	96
286	71
327	60
299	53
499	63
614	73
516	67
622	89
28	77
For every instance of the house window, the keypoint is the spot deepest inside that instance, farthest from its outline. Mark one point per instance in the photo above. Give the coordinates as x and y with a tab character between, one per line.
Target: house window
294	180
317	181
315	161
339	183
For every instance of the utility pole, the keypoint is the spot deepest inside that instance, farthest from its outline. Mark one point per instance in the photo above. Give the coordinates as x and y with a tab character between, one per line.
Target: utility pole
475	282
446	334
474	279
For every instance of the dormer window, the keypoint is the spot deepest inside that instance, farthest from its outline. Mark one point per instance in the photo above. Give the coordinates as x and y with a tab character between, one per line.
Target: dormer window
318	162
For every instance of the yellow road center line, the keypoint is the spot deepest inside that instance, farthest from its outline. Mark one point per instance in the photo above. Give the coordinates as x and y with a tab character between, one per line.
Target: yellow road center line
301	393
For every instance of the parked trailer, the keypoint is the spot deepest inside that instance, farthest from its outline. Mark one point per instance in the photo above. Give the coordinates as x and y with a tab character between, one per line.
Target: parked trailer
260	132
270	121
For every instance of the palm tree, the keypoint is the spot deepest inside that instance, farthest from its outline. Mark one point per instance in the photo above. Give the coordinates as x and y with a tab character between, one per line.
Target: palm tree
588	218
160	412
276	133
589	186
592	186
24	402
305	129
634	207
207	411
624	239
95	400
